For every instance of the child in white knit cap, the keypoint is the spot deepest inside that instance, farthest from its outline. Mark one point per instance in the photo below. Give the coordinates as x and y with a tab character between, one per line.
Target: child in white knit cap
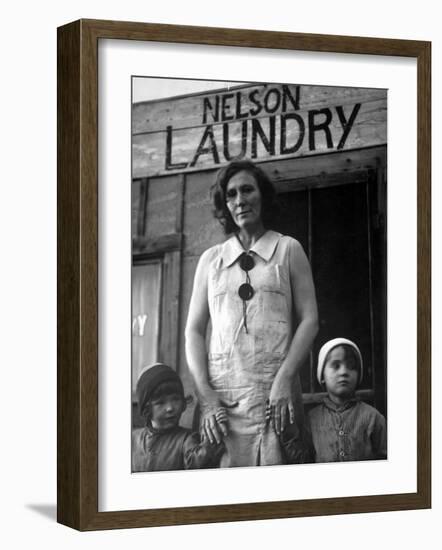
343	427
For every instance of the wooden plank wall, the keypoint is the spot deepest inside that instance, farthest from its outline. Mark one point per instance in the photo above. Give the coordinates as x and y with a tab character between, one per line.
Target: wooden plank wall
267	121
173	201
183	202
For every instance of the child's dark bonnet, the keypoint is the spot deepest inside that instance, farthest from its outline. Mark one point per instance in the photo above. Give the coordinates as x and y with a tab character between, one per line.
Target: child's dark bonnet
151	378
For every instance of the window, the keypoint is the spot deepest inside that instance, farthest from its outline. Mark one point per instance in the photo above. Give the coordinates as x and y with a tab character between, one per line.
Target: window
146	303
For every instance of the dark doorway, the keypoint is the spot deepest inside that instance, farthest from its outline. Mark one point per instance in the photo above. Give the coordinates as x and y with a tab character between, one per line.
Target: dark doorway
339	228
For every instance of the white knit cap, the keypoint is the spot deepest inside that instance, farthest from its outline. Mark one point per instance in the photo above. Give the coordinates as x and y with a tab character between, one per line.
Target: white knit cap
328	346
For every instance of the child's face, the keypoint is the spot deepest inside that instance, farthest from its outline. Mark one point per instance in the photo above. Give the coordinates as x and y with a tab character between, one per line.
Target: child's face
166	411
341	373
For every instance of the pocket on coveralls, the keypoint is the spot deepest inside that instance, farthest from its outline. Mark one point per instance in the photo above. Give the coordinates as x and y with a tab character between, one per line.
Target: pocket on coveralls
274	295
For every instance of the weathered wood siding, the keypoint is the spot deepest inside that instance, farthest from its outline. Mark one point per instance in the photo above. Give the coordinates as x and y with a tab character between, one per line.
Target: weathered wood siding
171	205
268	121
201	231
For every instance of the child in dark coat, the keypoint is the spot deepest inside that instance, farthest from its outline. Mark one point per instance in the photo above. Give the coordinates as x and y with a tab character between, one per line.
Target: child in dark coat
163	444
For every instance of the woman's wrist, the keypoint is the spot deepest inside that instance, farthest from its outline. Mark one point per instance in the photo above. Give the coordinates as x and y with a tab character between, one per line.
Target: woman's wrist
206	395
286	374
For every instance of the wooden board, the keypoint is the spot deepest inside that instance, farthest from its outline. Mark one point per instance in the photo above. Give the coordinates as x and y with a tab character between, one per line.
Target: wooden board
262	122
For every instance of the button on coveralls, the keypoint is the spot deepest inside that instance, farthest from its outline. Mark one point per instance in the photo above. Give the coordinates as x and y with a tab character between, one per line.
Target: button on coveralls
242	365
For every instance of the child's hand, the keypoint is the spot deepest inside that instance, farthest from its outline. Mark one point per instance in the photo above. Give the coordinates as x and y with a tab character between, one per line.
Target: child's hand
221	417
268	412
215	421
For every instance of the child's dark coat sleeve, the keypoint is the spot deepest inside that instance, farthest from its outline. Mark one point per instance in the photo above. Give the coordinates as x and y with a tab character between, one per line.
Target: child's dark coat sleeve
297	445
379	437
201	454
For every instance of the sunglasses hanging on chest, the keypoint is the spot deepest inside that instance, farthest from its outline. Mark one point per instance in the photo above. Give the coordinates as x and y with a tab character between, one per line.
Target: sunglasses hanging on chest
246	290
246	263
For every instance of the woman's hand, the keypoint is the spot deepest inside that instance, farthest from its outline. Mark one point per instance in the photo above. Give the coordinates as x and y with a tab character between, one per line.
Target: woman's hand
210	428
214	424
280	410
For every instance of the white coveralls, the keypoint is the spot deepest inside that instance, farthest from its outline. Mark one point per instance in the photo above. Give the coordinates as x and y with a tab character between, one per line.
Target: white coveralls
242	365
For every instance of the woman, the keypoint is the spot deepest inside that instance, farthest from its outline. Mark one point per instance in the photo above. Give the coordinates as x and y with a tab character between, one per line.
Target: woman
257	290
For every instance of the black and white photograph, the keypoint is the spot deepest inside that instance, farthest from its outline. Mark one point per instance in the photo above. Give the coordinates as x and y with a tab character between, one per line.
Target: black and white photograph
259	274
205	209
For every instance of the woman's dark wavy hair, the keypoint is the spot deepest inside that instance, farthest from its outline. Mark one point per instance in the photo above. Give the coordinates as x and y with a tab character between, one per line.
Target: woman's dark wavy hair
268	194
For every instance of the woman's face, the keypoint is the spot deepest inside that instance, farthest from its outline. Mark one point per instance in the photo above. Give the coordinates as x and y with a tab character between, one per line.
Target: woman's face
243	199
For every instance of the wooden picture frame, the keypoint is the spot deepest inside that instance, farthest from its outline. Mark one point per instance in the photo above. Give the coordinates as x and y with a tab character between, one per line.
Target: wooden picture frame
77	223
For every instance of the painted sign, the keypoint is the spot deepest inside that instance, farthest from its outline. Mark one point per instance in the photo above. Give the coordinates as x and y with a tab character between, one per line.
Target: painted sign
260	122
